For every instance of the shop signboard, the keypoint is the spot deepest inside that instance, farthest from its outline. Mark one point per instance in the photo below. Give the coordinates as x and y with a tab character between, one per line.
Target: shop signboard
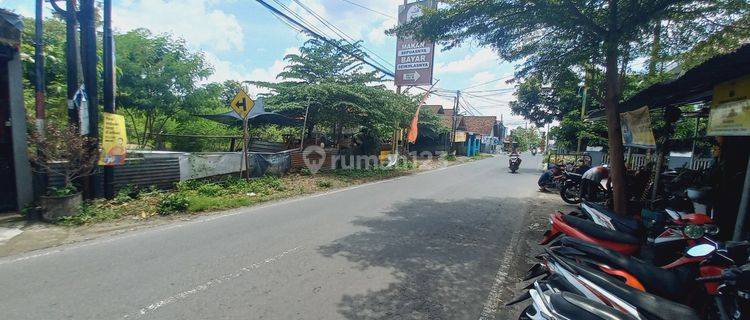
730	109
414	59
636	129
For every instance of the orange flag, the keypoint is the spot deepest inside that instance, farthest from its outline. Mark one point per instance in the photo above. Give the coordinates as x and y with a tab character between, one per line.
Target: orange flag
414	129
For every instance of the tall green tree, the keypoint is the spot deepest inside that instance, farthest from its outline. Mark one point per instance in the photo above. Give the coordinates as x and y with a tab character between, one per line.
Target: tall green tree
157	76
339	91
553	35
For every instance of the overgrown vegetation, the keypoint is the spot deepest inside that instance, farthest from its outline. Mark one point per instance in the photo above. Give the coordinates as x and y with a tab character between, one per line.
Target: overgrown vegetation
193	196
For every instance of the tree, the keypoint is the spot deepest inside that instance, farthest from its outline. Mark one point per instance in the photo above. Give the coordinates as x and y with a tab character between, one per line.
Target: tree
552	35
541	100
157	75
527	138
340	93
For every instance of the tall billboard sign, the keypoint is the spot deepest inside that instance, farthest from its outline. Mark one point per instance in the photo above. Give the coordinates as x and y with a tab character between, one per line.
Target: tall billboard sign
414	59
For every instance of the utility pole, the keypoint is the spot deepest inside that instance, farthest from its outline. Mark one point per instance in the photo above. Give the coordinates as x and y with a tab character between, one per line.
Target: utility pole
454	122
583	109
40	178
109	87
39	67
72	54
89	61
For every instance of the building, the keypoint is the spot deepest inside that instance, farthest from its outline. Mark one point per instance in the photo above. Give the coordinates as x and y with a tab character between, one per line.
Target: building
481	134
16	191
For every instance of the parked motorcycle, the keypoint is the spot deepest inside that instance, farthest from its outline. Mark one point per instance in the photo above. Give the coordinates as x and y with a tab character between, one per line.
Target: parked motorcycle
727	284
570	189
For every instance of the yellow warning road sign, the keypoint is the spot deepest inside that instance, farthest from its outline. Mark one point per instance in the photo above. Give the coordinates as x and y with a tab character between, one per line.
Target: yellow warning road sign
242	104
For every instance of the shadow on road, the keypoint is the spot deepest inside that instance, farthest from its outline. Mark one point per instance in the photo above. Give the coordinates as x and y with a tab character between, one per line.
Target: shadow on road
444	256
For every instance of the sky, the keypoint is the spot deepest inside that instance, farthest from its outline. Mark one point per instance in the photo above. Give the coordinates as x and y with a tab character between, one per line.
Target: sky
243	41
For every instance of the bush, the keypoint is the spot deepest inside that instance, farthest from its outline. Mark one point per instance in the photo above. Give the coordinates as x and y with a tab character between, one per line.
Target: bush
305	172
173	203
450	157
210	189
324	184
89	212
126	194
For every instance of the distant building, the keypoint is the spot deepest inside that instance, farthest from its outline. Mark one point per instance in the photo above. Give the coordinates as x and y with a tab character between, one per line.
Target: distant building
482	134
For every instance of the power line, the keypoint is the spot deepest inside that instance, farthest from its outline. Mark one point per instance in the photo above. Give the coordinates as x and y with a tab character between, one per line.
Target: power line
343	34
321	37
488	82
492	90
487	99
369	9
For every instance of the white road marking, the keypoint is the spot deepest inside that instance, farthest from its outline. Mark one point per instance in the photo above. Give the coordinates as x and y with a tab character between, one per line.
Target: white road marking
229	213
493	299
208	284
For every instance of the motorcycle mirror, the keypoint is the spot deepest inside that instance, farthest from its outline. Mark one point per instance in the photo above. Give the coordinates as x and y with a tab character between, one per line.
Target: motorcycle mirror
701	250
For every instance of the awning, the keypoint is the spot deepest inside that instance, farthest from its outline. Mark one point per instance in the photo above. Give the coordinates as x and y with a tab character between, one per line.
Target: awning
11	26
696	85
258	116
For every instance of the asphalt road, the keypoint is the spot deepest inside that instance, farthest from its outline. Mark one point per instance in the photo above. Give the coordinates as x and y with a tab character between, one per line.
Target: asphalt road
427	246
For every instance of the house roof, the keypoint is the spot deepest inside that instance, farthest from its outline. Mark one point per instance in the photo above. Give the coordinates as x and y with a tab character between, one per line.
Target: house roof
480	124
448	112
436	108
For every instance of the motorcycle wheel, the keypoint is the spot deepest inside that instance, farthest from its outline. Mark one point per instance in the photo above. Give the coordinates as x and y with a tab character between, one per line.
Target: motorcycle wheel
570	194
529	313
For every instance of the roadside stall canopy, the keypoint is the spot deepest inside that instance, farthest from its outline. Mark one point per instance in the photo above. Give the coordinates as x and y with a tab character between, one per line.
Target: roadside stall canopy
258	116
696	85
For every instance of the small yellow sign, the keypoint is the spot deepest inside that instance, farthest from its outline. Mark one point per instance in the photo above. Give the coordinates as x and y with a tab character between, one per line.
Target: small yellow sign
730	109
242	104
114	140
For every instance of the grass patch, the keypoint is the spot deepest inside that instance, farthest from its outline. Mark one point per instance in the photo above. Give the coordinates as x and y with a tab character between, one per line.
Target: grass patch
194	196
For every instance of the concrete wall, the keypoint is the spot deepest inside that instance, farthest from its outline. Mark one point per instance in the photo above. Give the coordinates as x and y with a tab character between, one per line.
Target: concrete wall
24	184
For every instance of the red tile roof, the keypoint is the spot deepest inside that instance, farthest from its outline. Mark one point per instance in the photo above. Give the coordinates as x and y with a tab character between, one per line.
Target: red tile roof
480	124
436	108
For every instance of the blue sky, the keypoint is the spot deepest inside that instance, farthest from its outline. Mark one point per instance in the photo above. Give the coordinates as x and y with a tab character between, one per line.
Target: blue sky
243	41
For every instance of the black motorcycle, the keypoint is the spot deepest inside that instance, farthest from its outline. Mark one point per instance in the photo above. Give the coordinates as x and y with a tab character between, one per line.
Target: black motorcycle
570	191
514	163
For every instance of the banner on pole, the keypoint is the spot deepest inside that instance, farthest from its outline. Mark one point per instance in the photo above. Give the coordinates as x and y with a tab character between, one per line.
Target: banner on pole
114	140
636	129
730	109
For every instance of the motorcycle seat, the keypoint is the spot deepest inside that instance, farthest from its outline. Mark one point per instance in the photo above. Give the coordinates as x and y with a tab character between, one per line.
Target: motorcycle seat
653	306
622	223
673	284
600	232
572	306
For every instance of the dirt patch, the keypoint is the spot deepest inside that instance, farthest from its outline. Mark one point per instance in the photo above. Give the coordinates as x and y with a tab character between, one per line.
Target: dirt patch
537	222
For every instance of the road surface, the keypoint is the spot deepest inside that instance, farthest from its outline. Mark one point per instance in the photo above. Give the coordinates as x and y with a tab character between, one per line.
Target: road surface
427	246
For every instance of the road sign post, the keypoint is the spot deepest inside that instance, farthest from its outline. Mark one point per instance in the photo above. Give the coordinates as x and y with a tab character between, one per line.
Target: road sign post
242	104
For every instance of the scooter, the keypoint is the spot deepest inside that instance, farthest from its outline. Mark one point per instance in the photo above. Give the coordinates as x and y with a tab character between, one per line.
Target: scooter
675	236
727	284
514	163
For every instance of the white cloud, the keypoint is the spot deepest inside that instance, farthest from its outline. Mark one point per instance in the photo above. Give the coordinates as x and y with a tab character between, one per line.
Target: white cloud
471	62
194	20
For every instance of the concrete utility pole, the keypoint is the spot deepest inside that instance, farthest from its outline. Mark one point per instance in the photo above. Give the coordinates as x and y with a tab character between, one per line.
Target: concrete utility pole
89	58
583	111
39	66
72	54
454	122
109	87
